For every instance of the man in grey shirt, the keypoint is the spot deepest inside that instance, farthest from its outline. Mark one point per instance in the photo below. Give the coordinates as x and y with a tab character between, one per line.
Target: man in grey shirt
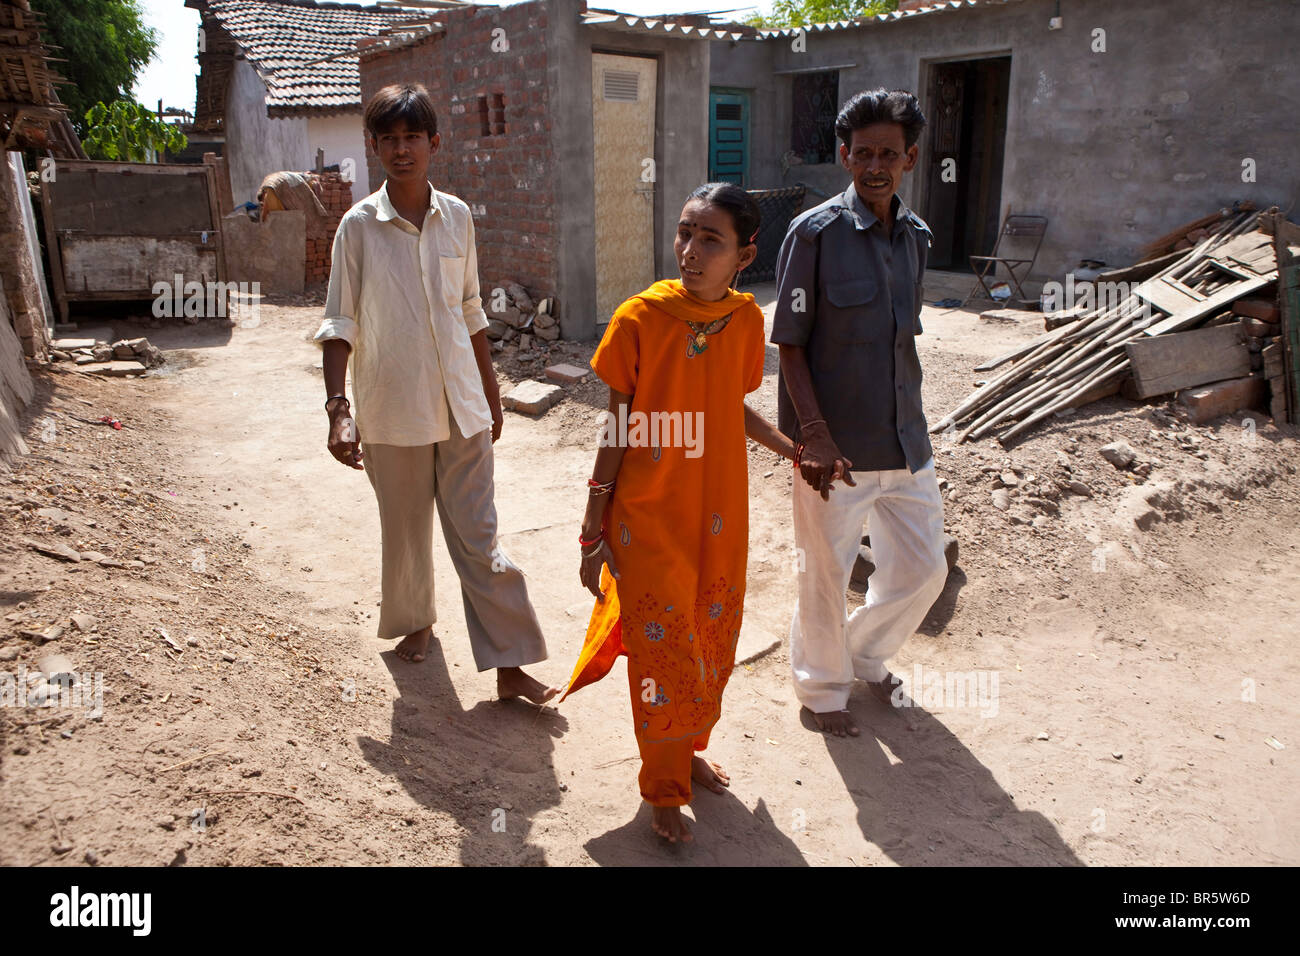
848	310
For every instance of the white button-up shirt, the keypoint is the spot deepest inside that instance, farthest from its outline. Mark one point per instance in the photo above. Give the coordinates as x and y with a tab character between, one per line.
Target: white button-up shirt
407	302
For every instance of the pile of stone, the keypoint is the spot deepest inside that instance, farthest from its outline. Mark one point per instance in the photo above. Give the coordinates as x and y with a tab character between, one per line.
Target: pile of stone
513	317
97	356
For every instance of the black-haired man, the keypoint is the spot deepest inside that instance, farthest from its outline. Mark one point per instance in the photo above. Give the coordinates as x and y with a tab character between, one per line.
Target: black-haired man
403	309
848	310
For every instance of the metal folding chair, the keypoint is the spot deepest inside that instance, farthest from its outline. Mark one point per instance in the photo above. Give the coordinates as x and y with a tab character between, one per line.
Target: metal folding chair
1019	232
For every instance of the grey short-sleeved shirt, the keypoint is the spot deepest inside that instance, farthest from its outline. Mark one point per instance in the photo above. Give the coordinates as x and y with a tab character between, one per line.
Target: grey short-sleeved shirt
851	297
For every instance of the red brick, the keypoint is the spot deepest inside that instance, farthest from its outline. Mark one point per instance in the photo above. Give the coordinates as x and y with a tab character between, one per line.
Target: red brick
1223	398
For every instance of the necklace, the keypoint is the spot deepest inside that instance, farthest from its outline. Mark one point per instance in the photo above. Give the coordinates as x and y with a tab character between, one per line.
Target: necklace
699	341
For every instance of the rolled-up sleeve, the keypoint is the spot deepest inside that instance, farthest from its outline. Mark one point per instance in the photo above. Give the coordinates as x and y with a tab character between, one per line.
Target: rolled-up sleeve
471	301
341	299
796	296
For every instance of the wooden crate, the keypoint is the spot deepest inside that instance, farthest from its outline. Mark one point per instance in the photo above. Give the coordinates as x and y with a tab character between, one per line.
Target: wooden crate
114	229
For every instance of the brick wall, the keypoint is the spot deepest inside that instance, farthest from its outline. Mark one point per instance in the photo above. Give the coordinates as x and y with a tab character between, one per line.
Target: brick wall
506	178
335	195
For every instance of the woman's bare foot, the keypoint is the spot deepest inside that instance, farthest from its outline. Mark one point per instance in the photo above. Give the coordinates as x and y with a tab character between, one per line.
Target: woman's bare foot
414	645
669	823
838	723
710	774
513	682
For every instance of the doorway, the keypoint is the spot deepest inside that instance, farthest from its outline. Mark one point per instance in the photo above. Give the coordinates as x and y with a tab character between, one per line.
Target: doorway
967	102
623	121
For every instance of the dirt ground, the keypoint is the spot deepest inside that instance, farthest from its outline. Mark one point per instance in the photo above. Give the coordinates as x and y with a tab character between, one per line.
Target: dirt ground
1139	672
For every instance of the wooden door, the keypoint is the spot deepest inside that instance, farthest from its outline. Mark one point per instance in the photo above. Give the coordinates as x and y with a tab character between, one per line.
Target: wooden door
623	119
729	136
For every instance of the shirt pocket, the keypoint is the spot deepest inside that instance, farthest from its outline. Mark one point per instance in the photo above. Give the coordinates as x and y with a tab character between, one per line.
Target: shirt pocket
850	304
452	276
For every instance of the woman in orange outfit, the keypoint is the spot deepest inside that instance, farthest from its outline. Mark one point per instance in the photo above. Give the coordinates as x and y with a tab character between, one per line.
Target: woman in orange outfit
665	535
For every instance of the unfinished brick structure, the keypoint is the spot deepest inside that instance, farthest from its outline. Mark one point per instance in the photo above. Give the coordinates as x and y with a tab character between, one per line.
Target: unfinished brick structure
494	119
335	194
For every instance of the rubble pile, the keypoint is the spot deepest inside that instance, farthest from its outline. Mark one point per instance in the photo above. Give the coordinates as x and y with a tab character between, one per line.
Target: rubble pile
514	317
97	356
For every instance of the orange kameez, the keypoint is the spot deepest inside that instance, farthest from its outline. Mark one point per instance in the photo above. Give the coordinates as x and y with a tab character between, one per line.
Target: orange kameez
677	522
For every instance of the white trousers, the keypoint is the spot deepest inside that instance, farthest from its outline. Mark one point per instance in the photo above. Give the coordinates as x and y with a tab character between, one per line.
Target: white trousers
828	647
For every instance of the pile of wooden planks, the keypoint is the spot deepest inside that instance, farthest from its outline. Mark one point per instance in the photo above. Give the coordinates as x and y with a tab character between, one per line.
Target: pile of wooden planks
1137	338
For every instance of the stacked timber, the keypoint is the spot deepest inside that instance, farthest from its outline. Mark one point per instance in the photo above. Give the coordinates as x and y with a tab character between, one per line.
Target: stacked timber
1139	337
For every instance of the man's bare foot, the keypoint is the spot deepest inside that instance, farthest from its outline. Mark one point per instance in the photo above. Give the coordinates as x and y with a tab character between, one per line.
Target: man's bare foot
710	774
669	823
883	690
838	723
513	682
414	645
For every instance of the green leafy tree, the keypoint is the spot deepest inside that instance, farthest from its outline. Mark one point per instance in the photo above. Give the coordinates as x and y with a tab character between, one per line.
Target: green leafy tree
794	13
105	43
127	131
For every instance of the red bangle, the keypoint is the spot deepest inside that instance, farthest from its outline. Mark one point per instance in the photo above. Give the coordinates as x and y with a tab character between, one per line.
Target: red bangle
798	454
587	544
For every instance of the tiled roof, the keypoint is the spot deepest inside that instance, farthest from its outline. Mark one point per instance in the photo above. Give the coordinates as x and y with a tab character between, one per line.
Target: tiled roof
305	52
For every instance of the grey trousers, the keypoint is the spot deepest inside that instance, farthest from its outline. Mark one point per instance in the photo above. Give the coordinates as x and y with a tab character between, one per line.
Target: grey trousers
456	474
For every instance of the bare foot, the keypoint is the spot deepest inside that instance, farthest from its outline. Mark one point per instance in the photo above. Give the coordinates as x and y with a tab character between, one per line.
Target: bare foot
669	823
513	682
838	723
710	774
883	690
414	645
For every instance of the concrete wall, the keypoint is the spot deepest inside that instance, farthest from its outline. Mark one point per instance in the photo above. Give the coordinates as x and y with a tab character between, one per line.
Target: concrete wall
16	388
1117	147
257	145
342	137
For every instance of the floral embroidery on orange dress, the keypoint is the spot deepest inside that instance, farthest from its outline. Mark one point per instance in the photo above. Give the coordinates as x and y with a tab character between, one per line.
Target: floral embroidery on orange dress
678	522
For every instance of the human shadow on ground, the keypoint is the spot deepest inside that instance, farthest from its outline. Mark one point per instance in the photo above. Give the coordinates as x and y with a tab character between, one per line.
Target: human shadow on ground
726	833
933	803
491	767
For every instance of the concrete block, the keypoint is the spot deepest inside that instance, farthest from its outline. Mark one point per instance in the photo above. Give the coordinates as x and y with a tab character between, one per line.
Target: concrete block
532	398
114	369
566	374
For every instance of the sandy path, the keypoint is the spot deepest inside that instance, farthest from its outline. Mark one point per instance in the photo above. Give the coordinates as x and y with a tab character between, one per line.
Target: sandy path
1135	674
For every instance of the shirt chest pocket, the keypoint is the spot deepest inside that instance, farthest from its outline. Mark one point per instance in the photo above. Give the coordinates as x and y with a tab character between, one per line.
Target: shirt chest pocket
852	311
451	275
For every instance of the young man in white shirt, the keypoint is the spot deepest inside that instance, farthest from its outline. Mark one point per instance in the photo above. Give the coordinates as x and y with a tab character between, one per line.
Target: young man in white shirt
403	308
